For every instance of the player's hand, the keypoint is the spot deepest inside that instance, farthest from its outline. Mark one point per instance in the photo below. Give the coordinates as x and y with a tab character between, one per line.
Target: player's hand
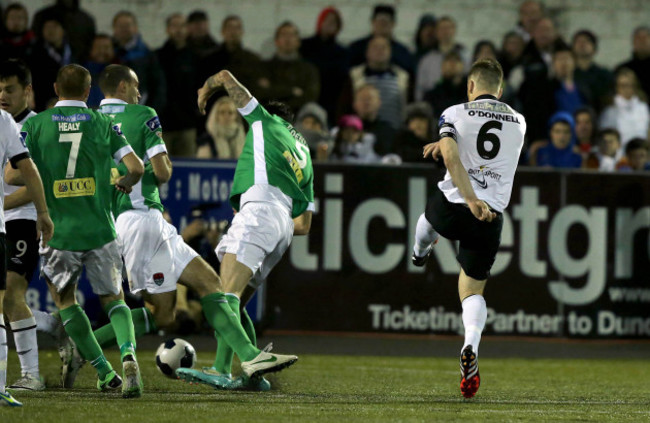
433	150
44	228
120	186
195	228
202	100
481	211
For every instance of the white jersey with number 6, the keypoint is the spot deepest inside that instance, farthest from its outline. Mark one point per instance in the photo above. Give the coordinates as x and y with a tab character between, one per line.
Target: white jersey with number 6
490	135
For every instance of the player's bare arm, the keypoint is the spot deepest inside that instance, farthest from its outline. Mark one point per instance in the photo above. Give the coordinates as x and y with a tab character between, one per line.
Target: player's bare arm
302	224
44	225
224	79
162	167
13	176
449	150
16	199
135	170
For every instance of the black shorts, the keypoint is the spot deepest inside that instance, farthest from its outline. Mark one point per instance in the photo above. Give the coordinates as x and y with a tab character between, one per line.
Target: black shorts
22	247
3	262
479	241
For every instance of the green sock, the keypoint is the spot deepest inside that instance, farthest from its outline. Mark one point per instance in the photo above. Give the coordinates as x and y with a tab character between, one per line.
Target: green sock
223	360
249	327
120	316
77	326
143	323
227	326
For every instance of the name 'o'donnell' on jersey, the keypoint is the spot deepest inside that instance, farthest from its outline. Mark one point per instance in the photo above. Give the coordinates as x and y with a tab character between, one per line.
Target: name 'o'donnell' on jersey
490	136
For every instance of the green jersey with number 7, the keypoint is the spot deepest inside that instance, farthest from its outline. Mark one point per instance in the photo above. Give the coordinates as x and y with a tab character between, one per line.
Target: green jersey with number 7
73	147
274	154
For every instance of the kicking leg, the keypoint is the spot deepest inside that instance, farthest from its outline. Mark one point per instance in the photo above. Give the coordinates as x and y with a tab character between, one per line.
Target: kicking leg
23	326
425	238
470	291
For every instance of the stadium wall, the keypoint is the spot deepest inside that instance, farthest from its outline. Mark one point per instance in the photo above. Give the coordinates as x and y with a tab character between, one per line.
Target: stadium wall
612	21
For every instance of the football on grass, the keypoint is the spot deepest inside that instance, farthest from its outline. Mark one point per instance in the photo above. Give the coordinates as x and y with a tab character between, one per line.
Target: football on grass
173	354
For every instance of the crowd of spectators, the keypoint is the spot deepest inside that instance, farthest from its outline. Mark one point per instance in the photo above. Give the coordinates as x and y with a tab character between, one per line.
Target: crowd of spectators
373	101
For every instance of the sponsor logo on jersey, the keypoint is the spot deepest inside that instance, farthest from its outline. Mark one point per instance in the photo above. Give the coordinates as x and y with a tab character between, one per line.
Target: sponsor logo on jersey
480	174
295	166
23	137
112	109
488	106
153	123
79	187
158	278
78	117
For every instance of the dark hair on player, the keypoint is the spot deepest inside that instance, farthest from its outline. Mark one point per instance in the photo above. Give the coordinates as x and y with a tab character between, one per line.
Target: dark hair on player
111	77
72	81
280	109
124	13
17	68
283	25
635	144
487	74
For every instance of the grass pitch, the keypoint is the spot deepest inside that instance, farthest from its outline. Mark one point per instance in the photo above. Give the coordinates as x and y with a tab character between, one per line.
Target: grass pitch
370	389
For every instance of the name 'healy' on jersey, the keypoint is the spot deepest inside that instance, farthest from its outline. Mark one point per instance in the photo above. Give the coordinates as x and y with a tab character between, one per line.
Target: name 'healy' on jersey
490	137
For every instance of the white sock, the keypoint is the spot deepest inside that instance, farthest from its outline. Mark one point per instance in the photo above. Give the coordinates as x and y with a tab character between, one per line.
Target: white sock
3	354
26	345
47	323
425	235
474	317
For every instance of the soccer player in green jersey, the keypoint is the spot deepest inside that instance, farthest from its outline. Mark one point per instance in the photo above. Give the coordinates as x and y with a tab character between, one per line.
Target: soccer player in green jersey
13	149
273	195
73	147
156	257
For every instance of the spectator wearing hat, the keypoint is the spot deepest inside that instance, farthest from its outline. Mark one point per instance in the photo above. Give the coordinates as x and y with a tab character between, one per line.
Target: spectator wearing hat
383	24
426	38
78	25
366	104
311	121
558	151
452	87
640	61
287	76
416	133
628	112
330	57
132	51
429	69
350	144
636	156
199	39
391	81
598	81
17	38
51	52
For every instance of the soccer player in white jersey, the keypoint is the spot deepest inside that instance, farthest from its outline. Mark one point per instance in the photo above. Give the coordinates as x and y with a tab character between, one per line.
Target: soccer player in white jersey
12	148
22	245
480	142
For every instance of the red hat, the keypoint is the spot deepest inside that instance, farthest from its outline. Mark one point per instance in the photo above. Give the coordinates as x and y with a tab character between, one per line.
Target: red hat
351	121
323	14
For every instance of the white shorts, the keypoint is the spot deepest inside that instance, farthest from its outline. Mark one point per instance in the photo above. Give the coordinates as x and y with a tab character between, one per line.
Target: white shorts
103	267
259	235
154	253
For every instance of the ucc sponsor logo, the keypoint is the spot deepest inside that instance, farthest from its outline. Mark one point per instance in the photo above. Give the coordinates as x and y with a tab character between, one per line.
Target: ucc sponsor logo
79	187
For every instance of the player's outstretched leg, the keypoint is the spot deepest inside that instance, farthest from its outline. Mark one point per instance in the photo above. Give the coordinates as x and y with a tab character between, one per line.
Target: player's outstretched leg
5	397
425	238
